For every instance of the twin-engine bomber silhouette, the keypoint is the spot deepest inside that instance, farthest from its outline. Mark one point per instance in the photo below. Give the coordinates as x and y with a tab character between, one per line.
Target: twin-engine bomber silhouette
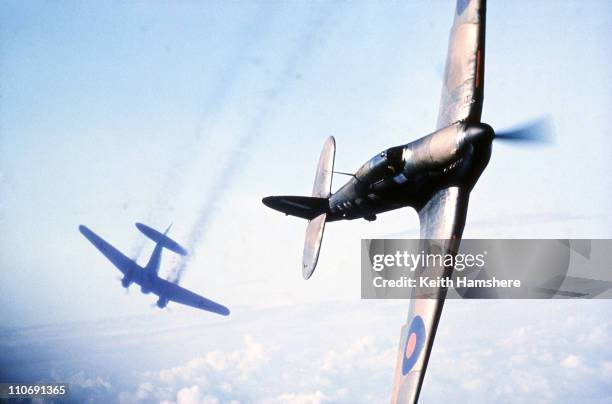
434	175
147	278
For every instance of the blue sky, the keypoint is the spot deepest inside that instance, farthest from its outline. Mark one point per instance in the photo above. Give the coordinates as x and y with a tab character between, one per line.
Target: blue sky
191	112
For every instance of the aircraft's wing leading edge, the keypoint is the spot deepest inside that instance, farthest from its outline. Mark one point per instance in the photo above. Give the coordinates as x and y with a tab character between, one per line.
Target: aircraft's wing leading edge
177	294
123	263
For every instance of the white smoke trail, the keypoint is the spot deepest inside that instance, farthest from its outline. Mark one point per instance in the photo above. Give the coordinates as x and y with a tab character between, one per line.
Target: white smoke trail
303	47
224	86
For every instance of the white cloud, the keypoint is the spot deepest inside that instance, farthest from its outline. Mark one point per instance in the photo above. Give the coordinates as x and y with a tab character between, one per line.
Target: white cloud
252	357
472	384
511	351
521	351
570	362
362	352
209	376
305	398
193	395
81	380
606	371
265	374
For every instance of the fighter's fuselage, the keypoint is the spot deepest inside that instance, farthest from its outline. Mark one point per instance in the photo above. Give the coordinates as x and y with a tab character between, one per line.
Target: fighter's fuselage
408	175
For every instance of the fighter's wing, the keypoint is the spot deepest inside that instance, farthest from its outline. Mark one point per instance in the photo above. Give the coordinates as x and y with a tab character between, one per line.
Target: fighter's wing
462	89
175	293
442	218
123	263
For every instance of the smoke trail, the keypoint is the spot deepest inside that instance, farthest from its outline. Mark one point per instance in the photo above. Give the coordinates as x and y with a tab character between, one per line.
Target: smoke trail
224	86
304	46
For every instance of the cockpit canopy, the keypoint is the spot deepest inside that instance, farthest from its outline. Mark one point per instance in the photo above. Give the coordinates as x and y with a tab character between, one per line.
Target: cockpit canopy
385	164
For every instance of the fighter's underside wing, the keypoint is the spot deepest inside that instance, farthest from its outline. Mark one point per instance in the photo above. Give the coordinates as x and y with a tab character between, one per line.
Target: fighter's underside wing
463	85
443	217
175	293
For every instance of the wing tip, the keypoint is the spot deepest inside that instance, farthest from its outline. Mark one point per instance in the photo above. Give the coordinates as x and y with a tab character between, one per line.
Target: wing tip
87	232
224	311
307	271
214	307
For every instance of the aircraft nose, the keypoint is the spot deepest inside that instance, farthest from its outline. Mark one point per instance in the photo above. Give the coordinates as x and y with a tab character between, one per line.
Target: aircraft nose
478	133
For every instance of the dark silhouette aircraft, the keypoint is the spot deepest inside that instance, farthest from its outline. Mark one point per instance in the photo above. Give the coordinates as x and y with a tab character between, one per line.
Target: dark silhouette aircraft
434	175
147	278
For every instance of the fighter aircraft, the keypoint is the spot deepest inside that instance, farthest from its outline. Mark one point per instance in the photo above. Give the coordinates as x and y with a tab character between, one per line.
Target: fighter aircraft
147	278
434	175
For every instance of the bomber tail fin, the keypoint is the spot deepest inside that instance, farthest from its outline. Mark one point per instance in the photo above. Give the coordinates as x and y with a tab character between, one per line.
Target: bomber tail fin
162	239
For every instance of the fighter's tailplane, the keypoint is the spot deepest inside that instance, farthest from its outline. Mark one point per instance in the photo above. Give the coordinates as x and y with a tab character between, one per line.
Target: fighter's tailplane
320	189
162	239
306	207
312	244
315	211
325	168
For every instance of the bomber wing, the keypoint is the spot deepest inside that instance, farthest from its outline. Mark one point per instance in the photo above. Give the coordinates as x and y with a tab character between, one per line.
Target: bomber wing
123	263
175	293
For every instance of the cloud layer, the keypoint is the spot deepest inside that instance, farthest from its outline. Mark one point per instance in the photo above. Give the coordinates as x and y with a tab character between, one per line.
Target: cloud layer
341	352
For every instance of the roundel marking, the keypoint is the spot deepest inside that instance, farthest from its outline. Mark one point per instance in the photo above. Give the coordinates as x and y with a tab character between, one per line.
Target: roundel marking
415	341
410	345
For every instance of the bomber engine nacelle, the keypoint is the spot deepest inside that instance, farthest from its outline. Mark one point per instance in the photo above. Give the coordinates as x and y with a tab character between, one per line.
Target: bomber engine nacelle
126	281
162	302
145	290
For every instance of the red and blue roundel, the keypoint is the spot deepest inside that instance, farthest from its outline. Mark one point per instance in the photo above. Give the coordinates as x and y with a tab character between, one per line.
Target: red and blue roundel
414	344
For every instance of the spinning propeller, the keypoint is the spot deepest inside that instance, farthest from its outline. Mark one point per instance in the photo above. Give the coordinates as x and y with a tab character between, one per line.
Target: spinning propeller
538	131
